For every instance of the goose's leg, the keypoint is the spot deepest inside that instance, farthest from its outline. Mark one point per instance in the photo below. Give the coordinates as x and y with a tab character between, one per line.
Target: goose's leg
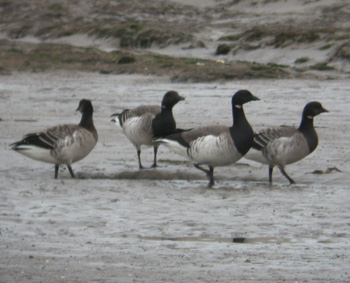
70	171
155	150
139	158
291	181
202	169
56	170
209	173
270	173
211	177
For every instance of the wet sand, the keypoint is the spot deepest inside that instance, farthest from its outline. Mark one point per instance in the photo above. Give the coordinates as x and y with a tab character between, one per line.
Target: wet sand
115	223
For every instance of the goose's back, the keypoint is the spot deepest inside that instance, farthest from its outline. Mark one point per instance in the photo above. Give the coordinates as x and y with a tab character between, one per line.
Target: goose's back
138	112
263	137
195	133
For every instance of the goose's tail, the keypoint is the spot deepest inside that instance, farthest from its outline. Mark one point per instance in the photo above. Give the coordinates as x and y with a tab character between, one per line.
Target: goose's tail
120	118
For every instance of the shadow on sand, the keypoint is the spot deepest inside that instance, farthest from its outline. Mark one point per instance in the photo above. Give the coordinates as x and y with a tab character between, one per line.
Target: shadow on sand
144	175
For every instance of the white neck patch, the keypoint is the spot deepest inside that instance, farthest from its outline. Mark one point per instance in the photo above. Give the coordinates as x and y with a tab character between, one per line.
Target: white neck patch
309	117
238	106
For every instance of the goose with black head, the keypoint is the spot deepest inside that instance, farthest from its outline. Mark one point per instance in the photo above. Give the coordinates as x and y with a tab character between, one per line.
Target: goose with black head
62	144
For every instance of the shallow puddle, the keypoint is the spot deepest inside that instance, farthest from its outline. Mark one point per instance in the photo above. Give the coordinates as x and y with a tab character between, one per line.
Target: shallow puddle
236	240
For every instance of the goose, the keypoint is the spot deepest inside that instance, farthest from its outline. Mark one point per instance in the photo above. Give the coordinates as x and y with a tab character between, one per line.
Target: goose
141	125
62	144
215	145
280	146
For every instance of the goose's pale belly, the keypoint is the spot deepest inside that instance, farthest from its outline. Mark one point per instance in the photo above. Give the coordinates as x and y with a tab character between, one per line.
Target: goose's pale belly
286	150
74	148
138	130
214	150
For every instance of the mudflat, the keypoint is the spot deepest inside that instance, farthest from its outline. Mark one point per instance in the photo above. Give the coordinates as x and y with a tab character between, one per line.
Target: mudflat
115	223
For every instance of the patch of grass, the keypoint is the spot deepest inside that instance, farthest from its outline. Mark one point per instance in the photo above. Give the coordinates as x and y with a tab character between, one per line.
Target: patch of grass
268	66
107	32
14	50
325	47
233	37
126	60
46	30
296	36
343	52
139	34
19	31
301	60
191	61
284	35
259	67
277	65
321	67
55	7
345	36
42	57
105	72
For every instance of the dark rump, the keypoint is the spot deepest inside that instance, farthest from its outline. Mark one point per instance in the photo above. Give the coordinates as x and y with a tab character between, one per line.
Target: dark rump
31	139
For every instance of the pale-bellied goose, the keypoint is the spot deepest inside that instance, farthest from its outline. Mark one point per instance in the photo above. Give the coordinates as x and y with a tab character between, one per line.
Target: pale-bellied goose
284	145
216	145
143	124
63	144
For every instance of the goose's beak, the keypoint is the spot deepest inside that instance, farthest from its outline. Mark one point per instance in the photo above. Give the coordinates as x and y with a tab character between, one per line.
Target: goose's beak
255	97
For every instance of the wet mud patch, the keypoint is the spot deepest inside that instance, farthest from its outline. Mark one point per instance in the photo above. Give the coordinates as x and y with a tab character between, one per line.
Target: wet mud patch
145	174
327	171
235	240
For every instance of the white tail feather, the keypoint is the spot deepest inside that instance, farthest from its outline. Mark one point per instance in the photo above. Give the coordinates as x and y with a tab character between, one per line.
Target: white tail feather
36	153
175	147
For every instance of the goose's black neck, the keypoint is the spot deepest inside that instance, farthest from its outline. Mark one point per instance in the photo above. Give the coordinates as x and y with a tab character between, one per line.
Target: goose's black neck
166	109
87	122
307	129
164	123
241	131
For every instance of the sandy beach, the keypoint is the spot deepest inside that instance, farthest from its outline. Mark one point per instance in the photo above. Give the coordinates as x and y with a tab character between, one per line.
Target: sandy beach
115	223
